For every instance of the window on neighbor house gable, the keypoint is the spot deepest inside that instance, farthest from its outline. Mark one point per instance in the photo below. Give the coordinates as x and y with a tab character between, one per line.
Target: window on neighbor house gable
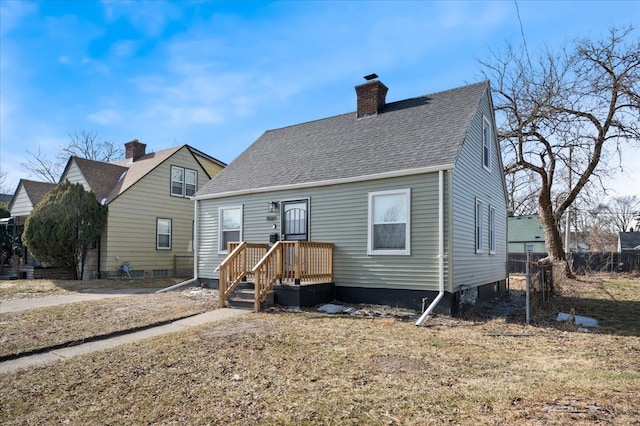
230	220
184	182
389	230
479	245
486	143
163	234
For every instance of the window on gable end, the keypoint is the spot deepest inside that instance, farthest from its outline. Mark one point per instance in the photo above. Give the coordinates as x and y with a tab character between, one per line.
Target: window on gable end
190	182
177	181
486	143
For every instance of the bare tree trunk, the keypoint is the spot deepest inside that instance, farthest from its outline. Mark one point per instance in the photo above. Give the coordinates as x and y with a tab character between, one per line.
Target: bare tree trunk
552	237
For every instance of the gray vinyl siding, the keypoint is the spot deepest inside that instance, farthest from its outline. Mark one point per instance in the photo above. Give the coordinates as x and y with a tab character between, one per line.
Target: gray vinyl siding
472	181
338	214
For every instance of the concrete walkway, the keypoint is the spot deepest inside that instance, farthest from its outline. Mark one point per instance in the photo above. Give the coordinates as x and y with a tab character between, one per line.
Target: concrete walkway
15	305
99	345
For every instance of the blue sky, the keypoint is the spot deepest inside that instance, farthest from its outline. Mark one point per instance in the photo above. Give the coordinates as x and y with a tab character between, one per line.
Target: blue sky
216	75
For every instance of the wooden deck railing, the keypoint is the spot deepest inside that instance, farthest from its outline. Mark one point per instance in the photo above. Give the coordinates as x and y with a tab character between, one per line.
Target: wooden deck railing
292	261
237	265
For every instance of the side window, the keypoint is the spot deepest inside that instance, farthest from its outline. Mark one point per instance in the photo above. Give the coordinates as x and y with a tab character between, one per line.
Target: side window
190	182
492	230
479	245
230	226
486	143
389	230
184	182
163	234
177	181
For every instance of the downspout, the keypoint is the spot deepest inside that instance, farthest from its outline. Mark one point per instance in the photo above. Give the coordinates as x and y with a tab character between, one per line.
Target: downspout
440	249
195	241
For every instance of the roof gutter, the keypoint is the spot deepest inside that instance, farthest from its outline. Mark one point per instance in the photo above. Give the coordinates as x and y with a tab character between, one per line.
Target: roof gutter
328	182
440	249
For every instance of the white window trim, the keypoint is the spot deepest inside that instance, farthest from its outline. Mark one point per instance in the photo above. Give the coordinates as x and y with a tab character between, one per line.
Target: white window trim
492	229
158	219
486	124
370	249
195	189
478	230
175	194
221	209
184	181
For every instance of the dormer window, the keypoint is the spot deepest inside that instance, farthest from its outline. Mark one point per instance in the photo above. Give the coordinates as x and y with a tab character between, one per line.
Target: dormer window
184	182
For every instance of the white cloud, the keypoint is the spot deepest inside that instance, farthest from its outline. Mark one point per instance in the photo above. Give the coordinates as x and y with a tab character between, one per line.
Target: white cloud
105	117
12	13
150	17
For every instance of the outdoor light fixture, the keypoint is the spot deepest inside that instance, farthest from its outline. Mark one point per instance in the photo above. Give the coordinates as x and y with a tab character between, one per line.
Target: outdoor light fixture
272	206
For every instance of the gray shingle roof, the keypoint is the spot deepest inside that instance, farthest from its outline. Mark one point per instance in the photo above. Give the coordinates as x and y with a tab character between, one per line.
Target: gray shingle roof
100	176
421	132
35	190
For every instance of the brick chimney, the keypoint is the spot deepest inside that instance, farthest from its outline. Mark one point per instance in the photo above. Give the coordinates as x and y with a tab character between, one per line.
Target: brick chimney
371	96
134	150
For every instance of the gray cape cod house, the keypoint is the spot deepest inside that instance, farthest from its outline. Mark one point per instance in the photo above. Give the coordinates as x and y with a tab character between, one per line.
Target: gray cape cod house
401	203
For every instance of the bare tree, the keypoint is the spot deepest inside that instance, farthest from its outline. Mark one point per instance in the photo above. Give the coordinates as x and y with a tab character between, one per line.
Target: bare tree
82	143
561	117
4	187
624	211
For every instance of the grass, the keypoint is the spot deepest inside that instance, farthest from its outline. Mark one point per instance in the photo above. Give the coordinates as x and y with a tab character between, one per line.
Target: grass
19	289
30	330
303	367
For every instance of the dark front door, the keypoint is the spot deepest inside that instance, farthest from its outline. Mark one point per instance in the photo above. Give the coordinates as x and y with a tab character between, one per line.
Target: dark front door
295	220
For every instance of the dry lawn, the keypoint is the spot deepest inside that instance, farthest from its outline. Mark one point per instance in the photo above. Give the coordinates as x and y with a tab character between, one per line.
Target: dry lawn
20	289
285	367
32	330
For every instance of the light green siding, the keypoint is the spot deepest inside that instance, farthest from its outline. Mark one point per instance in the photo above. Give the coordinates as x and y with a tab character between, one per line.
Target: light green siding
526	231
471	181
338	214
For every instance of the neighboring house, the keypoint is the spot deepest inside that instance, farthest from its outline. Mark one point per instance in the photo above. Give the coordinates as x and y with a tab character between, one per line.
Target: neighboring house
526	234
628	241
27	195
5	198
410	194
149	211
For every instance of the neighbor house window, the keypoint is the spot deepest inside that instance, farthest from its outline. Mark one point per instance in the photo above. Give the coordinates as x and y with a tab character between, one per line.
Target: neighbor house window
486	143
492	230
479	245
163	234
190	182
389	230
184	182
230	219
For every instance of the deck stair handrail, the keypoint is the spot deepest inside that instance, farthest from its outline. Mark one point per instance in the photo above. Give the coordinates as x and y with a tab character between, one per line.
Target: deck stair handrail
293	261
236	266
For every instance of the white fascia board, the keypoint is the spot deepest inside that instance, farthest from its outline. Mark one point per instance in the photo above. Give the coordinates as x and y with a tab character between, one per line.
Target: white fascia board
354	179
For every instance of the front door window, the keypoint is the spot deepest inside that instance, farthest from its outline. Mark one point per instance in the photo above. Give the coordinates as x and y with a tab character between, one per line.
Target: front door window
295	222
